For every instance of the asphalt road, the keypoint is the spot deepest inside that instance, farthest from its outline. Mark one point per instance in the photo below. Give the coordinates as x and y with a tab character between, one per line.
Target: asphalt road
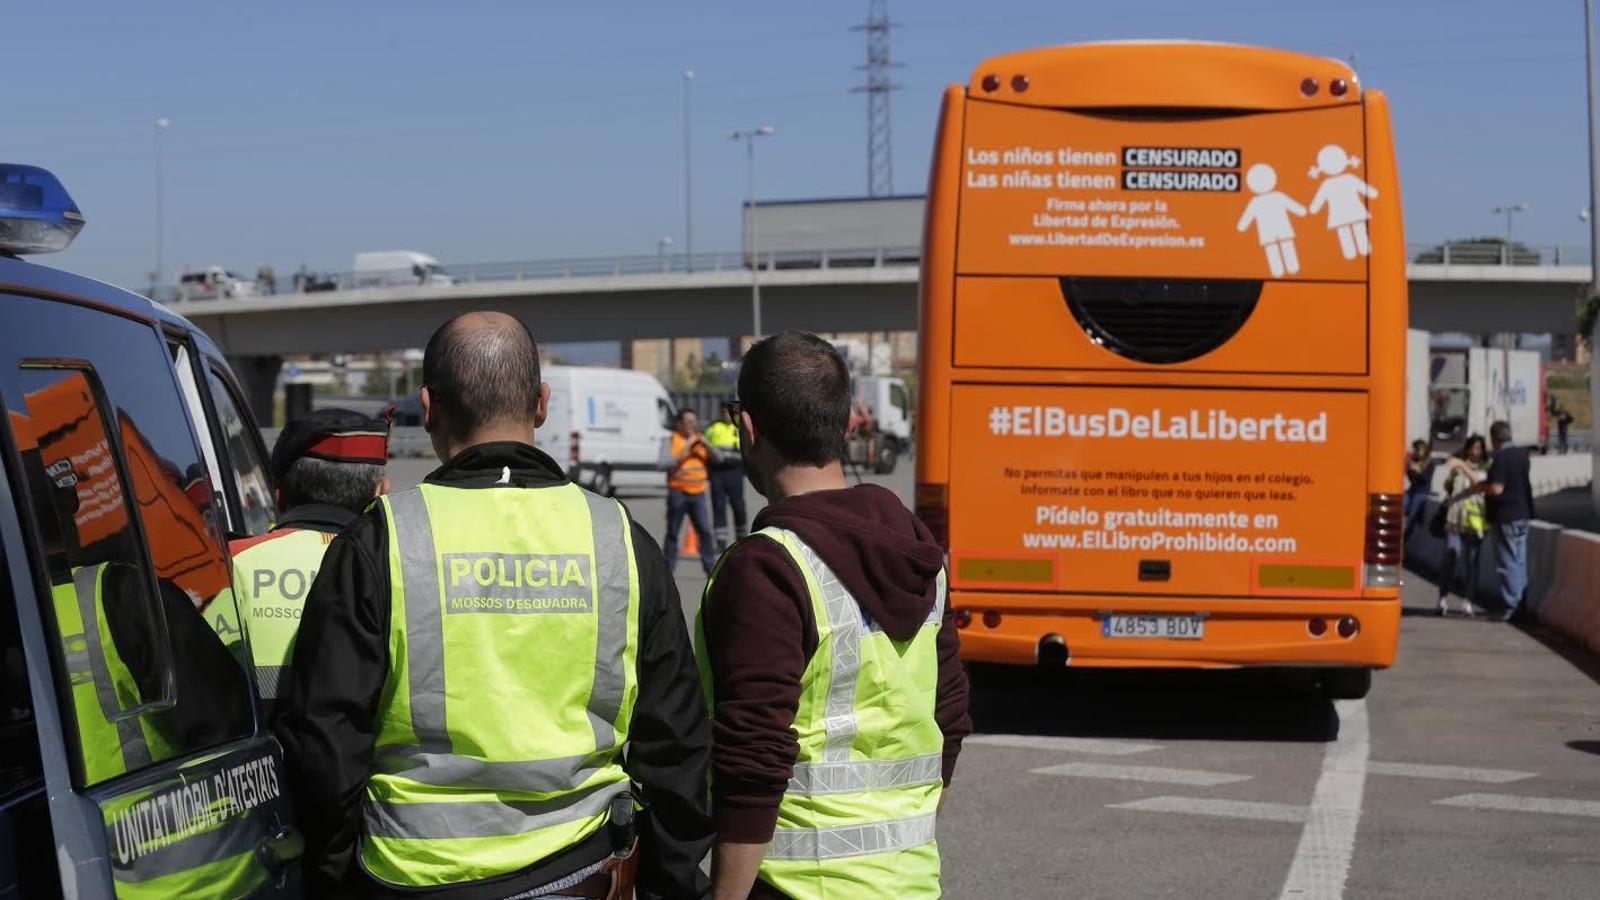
1472	770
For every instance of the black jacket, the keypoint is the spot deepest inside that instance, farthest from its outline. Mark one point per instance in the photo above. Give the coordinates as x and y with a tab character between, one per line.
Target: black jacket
328	714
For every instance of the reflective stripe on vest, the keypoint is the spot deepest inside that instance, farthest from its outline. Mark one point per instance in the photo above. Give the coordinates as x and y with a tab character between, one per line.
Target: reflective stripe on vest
846	841
271	580
112	744
493	789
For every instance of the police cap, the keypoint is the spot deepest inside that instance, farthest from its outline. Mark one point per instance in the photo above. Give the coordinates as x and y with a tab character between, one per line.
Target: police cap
336	435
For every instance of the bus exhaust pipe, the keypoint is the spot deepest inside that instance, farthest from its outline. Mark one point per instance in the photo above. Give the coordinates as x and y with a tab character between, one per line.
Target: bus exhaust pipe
1053	652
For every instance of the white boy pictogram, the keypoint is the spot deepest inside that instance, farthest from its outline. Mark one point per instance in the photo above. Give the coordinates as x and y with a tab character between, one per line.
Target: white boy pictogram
1270	211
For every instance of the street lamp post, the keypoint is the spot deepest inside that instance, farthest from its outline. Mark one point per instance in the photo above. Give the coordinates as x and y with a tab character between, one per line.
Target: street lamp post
749	138
688	173
162	124
1594	153
1509	210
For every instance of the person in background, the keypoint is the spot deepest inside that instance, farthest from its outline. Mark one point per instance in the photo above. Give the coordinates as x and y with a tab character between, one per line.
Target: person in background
830	657
1419	483
1464	522
727	482
687	460
1563	423
1510	493
493	693
328	466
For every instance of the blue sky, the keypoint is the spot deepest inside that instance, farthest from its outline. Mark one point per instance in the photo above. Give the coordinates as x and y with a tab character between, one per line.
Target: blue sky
507	131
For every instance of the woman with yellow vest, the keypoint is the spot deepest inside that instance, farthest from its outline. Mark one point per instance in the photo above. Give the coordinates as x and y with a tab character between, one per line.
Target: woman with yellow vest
1464	524
829	658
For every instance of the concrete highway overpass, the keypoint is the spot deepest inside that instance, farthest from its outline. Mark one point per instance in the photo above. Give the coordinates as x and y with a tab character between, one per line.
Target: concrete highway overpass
256	331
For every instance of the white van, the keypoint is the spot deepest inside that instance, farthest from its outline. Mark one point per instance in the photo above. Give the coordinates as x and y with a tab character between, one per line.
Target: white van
398	268
212	282
607	426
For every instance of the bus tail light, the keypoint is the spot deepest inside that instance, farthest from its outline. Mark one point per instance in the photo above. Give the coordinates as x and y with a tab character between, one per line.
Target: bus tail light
991	619
1385	526
963	618
1338	87
1349	627
933	508
1308	86
1317	627
572	448
1019	83
991	83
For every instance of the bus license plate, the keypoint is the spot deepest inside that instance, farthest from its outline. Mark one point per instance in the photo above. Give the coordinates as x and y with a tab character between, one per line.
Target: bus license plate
1150	626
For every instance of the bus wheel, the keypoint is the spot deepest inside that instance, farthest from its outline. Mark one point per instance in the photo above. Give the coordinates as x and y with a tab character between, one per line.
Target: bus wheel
1346	684
602	482
888	455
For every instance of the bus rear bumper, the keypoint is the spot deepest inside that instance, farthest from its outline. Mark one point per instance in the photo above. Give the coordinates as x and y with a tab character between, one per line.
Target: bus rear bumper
1238	632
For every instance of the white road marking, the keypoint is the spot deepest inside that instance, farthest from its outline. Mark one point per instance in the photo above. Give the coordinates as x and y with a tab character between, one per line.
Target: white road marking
1209	806
1448	773
1328	841
1070	744
1158	774
1558	806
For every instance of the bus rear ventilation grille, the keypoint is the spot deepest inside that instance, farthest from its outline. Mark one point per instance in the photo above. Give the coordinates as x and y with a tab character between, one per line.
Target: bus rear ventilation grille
1155	321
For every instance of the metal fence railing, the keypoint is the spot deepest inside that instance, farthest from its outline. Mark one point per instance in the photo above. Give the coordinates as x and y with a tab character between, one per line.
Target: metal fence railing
569	267
1495	252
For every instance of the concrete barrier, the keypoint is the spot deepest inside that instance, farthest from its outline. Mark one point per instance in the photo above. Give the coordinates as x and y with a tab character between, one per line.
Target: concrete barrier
1544	550
1571	604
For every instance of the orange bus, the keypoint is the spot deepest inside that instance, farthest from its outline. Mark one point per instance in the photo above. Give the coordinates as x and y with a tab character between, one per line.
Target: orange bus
1162	361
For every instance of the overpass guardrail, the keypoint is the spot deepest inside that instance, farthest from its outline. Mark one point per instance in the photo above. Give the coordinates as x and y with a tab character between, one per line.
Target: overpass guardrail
573	267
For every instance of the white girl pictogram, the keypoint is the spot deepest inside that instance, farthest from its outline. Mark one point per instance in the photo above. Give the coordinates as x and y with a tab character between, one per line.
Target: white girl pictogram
1342	193
1270	211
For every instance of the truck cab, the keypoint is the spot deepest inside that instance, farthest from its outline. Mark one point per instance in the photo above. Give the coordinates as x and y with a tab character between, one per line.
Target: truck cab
136	759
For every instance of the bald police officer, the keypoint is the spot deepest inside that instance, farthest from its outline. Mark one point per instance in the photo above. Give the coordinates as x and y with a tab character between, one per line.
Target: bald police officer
494	693
328	466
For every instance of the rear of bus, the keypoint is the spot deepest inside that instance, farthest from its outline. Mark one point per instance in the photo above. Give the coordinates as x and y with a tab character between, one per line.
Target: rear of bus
1163	357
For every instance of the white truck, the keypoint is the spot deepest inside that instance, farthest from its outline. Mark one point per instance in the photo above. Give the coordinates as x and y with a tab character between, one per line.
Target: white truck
607	426
881	422
398	268
1469	388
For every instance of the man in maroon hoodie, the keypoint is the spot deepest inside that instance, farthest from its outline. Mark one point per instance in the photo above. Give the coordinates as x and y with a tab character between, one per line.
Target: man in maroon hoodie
780	730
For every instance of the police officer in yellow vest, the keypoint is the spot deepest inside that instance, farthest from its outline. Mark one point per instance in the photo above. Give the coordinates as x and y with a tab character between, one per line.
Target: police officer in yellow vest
493	692
328	465
727	482
829	658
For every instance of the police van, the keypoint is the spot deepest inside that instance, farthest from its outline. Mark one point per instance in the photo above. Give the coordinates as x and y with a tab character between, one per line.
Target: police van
136	759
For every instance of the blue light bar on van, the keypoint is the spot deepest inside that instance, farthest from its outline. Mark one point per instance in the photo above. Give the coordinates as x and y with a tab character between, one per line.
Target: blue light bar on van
36	213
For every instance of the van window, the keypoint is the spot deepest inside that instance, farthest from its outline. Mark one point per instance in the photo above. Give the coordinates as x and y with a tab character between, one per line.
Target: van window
668	418
132	559
898	399
248	469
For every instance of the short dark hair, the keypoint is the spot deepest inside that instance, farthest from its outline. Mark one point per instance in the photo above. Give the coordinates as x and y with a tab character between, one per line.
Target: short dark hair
682	413
1500	432
1419	442
796	387
483	368
312	480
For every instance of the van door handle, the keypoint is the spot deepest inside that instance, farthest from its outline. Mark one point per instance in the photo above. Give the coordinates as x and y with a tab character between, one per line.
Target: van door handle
282	847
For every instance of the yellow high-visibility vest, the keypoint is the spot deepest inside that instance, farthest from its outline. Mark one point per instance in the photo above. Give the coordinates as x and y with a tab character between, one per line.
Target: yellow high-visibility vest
514	633
858	818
